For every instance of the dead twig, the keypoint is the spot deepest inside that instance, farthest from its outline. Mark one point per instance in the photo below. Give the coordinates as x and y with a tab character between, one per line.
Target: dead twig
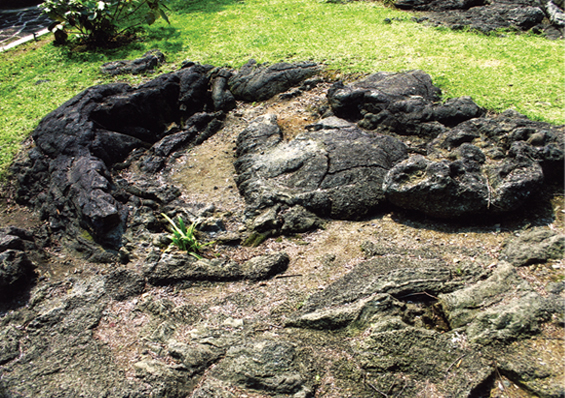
420	293
377	390
454	362
287	276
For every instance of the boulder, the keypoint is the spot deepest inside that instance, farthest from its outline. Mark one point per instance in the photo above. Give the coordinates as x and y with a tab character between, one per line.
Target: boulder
67	176
465	186
496	135
148	61
404	103
483	16
536	246
336	170
257	82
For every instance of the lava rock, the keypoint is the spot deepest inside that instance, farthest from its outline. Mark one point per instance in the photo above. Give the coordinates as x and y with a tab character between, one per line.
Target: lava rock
67	177
221	95
149	61
174	267
404	103
9	344
487	318
266	266
256	82
268	365
336	170
465	186
483	16
536	246
123	283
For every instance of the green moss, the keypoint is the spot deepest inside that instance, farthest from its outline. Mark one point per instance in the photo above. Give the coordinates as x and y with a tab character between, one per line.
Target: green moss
254	240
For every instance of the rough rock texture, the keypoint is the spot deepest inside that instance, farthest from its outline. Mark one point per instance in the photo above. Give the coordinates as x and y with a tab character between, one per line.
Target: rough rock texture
464	186
149	61
486	316
336	170
488	16
536	246
16	269
390	301
123	283
375	286
271	365
58	328
254	82
67	176
467	164
178	267
403	103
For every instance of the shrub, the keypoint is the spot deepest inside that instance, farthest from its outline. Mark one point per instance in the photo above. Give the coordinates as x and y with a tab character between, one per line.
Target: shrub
100	22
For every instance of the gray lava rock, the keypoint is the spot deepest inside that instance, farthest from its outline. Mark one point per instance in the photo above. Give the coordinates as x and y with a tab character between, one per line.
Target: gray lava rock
149	61
335	172
535	246
9	344
266	266
367	291
498	134
175	267
268	365
123	283
464	186
416	354
197	357
213	388
59	354
404	103
165	380
487	317
255	82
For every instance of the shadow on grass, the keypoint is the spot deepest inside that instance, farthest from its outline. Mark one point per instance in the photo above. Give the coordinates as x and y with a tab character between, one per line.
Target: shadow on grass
165	38
202	6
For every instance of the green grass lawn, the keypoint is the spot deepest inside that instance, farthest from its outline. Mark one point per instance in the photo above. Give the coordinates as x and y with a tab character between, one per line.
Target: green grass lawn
523	72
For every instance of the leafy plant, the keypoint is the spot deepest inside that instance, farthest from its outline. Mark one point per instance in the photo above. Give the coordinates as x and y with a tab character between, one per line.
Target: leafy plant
99	22
184	237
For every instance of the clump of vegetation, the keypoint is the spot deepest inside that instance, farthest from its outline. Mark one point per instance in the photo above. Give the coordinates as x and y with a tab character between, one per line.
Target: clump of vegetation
184	237
100	22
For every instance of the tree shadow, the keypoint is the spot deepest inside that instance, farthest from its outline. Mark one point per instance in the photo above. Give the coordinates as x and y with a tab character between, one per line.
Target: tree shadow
201	6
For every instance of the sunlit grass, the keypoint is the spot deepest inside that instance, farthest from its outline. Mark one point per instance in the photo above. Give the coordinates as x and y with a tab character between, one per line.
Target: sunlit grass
523	72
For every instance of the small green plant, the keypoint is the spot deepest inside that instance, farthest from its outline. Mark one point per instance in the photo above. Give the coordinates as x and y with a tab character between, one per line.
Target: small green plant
184	237
99	22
